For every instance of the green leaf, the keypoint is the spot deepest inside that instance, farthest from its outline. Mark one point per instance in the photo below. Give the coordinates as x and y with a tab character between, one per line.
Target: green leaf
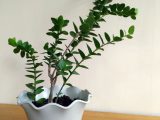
74	44
39	90
98	54
81	54
59	42
126	11
68	62
29	63
89	49
81	20
76	61
38	75
64	32
96	43
73	34
107	37
64	79
30	85
16	50
69	84
82	66
22	53
131	30
31	96
39	81
65	23
37	71
129	36
113	7
30	68
60	21
76	73
68	68
133	17
30	76
120	7
68	55
117	39
61	64
85	28
54	20
41	101
93	34
20	43
12	42
101	38
75	27
63	73
121	33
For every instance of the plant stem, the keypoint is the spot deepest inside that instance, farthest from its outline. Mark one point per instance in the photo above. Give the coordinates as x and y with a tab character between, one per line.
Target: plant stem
59	92
75	69
53	82
34	92
67	47
51	93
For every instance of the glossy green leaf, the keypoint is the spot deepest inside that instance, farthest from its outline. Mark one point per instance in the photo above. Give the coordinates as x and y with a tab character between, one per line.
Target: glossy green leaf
131	30
81	54
93	34
107	37
22	54
69	84
129	36
31	86
12	42
120	7
81	20
38	75
76	73
73	34
61	64
16	50
96	43
117	39
89	49
68	68
64	32
121	33
30	76
39	90
64	79
41	101
82	66
65	23
75	27
101	38
32	71
39	81
31	96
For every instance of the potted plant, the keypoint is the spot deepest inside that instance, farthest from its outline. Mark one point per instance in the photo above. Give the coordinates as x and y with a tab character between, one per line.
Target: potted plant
61	102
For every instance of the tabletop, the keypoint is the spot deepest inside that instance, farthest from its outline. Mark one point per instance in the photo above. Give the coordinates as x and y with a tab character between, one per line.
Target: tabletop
16	112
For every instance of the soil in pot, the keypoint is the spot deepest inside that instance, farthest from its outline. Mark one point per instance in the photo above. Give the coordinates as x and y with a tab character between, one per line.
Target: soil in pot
63	100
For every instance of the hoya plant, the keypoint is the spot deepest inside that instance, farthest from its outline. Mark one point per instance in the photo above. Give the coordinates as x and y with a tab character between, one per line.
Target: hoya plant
63	59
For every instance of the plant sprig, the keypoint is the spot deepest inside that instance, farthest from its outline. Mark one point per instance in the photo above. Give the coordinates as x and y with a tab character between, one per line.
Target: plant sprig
64	62
26	50
98	46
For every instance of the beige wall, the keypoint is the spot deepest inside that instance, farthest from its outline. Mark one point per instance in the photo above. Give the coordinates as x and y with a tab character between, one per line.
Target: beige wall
126	78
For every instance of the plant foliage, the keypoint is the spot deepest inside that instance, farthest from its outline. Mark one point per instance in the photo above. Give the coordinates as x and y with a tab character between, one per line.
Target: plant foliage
65	62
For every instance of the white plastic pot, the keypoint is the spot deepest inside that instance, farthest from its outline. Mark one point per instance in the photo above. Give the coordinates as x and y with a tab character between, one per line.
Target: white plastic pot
54	111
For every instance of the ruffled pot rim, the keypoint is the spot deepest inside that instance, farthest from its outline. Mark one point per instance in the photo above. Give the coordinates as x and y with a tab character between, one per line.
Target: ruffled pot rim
84	98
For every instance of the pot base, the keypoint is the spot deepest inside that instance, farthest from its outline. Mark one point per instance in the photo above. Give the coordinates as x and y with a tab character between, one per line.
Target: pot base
54	111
